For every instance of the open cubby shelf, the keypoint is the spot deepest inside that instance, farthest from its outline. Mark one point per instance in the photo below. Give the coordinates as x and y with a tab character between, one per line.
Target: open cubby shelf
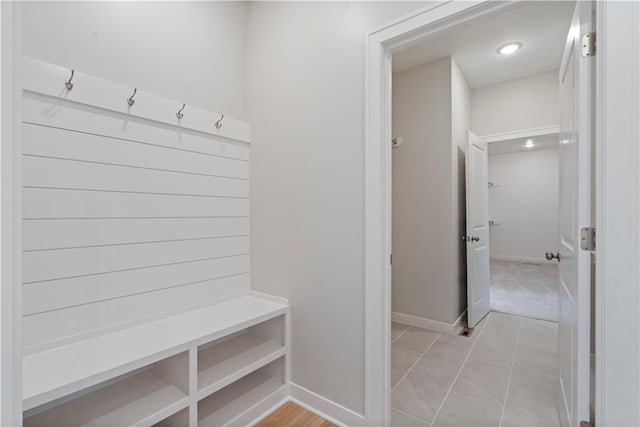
223	407
231	366
141	398
180	419
228	360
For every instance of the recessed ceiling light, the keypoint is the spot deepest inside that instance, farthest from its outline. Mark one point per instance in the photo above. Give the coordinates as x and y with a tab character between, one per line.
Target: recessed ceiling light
509	48
529	143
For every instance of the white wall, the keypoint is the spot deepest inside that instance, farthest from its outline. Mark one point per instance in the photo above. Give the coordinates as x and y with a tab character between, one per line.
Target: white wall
422	193
431	112
527	103
306	108
192	52
524	202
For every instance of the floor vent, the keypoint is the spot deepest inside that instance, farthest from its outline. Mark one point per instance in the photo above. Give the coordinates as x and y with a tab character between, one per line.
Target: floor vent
466	332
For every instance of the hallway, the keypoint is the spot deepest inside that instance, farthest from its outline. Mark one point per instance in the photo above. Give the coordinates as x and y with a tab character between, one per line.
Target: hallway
503	375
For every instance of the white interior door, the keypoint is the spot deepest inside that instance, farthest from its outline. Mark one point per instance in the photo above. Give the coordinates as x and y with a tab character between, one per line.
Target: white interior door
477	237
575	213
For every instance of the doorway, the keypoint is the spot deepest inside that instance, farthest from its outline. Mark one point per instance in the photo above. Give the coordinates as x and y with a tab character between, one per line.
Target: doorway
441	90
523	198
616	276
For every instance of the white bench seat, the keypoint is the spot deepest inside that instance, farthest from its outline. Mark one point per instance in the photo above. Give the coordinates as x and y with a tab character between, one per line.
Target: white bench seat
62	371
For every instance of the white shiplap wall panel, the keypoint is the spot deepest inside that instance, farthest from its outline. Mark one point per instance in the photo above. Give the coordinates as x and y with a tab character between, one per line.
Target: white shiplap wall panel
59	326
126	217
57	294
74	233
54	203
40	266
45	172
66	144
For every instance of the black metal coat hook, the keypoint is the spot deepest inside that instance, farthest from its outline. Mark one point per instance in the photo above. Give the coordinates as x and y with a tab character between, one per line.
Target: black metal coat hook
68	84
218	124
130	100
179	114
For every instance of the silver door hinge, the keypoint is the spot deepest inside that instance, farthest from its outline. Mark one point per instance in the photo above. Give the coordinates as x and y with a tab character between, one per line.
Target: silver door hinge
589	45
390	259
588	239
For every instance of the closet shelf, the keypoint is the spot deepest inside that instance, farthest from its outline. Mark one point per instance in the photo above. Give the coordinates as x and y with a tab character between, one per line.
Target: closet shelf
143	399
61	371
223	407
224	363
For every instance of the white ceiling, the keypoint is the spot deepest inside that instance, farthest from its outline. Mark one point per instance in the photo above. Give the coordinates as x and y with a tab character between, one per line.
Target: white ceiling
541	27
518	145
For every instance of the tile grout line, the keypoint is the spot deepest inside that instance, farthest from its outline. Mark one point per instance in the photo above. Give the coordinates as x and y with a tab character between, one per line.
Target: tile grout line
446	396
538	389
491	362
411	416
484	402
414	363
513	361
401	334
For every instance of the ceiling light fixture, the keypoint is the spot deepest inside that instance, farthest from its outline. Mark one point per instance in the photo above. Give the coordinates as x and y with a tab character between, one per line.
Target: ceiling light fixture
529	143
509	48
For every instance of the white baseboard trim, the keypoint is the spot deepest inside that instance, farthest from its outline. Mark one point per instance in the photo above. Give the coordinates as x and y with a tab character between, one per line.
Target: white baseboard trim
434	325
325	408
522	259
460	323
262	410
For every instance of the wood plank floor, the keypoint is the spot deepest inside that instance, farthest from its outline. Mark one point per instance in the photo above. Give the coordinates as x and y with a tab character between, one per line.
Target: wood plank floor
292	415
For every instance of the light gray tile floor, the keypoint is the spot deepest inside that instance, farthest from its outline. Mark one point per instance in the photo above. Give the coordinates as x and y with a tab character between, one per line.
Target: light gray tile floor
502	375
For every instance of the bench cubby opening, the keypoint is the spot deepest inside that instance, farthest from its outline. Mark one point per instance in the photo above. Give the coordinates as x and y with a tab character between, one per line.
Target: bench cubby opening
225	360
226	405
141	397
179	419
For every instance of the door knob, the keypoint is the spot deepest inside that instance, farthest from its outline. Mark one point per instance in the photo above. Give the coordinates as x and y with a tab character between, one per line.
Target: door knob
475	238
470	238
551	255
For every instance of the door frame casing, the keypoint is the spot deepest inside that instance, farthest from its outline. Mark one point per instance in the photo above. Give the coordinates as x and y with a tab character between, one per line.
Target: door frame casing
617	381
617	179
377	150
11	214
379	44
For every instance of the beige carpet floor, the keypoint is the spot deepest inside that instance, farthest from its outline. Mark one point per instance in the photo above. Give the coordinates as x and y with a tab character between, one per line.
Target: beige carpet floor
525	289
